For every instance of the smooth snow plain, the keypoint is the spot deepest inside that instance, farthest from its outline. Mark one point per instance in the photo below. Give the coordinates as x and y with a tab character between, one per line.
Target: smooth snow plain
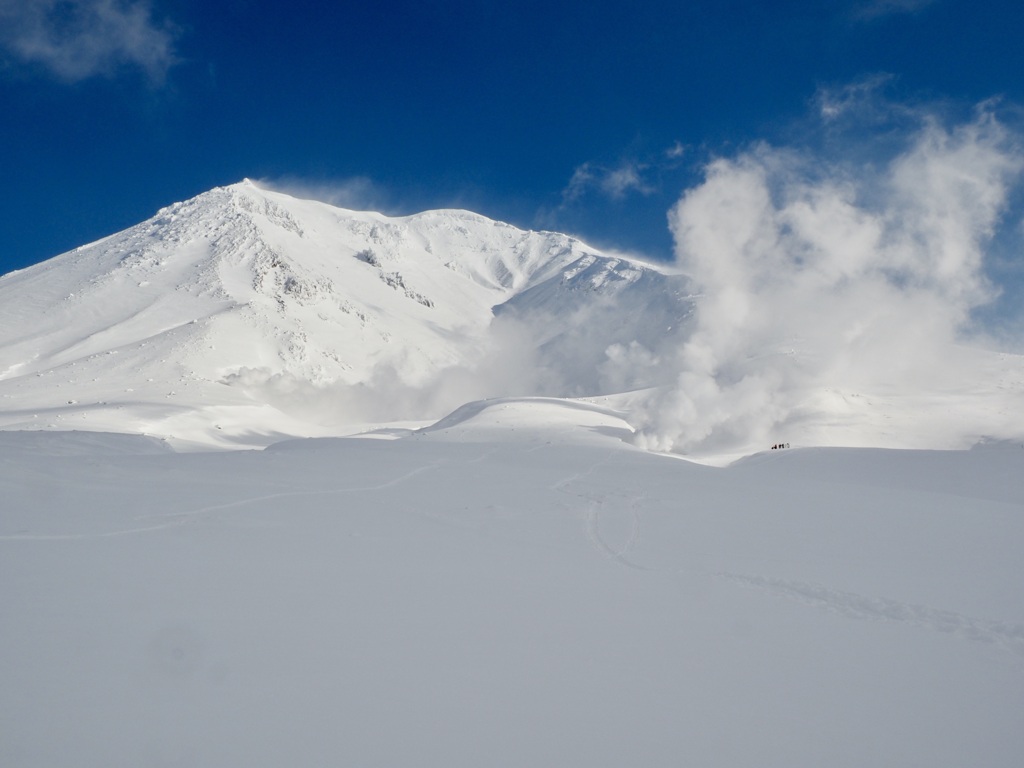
515	586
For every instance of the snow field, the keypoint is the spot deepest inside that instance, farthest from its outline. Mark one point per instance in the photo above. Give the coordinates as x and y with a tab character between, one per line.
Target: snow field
434	600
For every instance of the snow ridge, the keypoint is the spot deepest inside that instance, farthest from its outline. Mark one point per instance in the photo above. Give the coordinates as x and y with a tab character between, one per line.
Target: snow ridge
241	311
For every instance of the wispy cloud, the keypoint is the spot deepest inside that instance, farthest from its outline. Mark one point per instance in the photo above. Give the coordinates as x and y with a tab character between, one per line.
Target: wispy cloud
616	182
874	9
79	39
676	151
857	99
630	176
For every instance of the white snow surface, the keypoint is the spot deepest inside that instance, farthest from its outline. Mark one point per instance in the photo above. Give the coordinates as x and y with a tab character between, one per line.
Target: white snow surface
487	571
508	594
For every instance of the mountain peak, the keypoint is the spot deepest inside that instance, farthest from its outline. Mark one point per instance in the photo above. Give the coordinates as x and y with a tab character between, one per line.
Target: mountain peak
245	311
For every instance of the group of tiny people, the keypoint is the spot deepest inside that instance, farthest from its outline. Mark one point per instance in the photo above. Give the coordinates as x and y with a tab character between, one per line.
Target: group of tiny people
780	446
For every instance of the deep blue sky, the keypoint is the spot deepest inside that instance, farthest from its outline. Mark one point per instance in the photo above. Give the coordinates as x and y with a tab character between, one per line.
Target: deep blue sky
588	117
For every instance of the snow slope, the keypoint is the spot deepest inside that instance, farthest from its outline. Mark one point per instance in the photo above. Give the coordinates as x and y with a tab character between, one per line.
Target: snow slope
516	586
243	315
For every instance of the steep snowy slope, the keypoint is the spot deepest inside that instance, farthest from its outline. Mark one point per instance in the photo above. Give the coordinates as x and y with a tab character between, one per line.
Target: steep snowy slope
243	314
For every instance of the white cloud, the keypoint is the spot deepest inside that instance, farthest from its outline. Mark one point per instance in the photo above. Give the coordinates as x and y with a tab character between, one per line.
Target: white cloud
857	99
79	39
626	178
612	182
676	151
630	176
582	178
820	276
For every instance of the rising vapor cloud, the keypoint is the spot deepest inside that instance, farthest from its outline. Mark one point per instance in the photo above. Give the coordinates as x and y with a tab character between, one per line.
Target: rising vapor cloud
78	39
819	276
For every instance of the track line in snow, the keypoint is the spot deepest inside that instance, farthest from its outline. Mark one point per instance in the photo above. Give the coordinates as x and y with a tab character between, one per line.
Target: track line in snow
602	545
297	494
1005	635
79	536
180	518
596	506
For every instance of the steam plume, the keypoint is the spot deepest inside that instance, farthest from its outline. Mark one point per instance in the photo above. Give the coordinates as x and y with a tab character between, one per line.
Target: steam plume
819	277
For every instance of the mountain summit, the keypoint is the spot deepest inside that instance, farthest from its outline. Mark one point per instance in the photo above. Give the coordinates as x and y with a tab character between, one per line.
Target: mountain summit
245	314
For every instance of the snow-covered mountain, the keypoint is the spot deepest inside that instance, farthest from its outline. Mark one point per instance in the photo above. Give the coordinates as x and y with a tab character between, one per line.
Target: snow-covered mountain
516	583
244	314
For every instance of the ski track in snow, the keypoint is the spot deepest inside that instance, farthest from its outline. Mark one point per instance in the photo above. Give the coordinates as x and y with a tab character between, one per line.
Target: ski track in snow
82	536
616	554
596	506
180	518
1004	635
